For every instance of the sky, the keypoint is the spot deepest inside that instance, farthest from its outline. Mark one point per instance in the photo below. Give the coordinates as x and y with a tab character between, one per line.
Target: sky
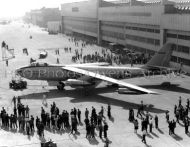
16	8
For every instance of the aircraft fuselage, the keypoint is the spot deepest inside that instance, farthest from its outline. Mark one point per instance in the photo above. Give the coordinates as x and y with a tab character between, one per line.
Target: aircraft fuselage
57	73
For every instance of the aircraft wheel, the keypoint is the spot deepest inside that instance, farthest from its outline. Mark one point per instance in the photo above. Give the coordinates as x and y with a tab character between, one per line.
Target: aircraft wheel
61	86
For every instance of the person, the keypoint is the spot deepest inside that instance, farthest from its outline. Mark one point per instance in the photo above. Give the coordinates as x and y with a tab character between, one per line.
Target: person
170	127
186	126
44	102
156	121
57	60
180	101
105	129
144	136
86	113
102	111
188	104
14	101
142	106
32	123
136	125
7	62
167	116
27	111
100	130
79	115
28	128
150	125
109	111
139	112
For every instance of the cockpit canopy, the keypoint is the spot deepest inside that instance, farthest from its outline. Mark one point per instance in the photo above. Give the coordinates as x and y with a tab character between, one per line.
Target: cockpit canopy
38	64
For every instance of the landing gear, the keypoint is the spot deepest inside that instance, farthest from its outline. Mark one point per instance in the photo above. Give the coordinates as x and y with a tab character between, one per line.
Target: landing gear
60	86
166	84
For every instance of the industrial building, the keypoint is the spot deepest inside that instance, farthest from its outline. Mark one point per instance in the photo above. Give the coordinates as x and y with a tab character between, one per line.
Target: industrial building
140	25
42	16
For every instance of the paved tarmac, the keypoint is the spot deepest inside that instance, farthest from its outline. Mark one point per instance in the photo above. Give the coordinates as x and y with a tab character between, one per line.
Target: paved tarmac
120	132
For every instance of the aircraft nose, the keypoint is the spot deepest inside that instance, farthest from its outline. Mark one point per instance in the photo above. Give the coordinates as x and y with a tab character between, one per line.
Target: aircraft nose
19	72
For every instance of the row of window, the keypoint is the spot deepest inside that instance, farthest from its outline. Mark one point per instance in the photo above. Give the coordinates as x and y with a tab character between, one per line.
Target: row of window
180	60
113	34
121	26
80	23
65	18
141	14
83	28
143	29
181	48
113	25
178	36
143	39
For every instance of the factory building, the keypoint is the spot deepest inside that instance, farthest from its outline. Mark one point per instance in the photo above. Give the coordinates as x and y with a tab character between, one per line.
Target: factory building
42	16
142	26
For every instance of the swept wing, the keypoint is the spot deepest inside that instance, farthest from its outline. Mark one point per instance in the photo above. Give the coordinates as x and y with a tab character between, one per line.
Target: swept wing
108	79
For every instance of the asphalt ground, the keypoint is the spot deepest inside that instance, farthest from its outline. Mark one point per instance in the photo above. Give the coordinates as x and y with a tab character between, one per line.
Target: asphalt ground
121	131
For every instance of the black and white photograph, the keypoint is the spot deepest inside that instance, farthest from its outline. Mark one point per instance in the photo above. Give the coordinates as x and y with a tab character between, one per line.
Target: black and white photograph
94	73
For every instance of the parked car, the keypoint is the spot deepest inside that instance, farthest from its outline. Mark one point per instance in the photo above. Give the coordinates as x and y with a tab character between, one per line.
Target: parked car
17	84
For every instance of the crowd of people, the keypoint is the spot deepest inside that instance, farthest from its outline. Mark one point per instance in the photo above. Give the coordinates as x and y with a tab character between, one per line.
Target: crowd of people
181	115
148	121
55	120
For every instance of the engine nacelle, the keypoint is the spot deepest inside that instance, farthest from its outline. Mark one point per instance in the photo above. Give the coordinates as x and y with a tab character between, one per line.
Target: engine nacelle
75	82
123	90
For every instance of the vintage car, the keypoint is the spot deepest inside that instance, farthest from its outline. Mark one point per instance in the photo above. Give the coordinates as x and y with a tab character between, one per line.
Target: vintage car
17	84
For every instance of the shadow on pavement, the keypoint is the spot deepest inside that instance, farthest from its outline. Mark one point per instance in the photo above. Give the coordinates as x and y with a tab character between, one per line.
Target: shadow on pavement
78	96
172	87
93	141
177	137
161	132
154	134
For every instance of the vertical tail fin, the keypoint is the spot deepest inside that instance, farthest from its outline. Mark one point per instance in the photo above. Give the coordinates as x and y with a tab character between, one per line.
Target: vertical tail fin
162	57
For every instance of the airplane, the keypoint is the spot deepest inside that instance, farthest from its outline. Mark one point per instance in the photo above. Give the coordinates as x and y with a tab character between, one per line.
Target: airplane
91	74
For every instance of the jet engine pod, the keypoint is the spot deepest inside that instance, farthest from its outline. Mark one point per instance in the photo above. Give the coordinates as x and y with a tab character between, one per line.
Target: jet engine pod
123	90
75	82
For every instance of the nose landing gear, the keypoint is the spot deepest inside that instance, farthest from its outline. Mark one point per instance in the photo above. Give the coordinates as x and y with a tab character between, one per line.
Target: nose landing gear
60	86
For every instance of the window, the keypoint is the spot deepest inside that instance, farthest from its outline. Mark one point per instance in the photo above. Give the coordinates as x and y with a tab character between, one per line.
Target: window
169	35
157	31
128	27
174	59
150	30
184	37
150	41
143	29
157	42
134	28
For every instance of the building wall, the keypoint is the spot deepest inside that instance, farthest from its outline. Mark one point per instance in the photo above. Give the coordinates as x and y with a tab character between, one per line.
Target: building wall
142	28
85	9
80	17
134	14
54	27
41	16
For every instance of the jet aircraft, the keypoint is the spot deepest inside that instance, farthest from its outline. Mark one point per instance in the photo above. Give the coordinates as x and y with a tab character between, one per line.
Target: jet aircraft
91	74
